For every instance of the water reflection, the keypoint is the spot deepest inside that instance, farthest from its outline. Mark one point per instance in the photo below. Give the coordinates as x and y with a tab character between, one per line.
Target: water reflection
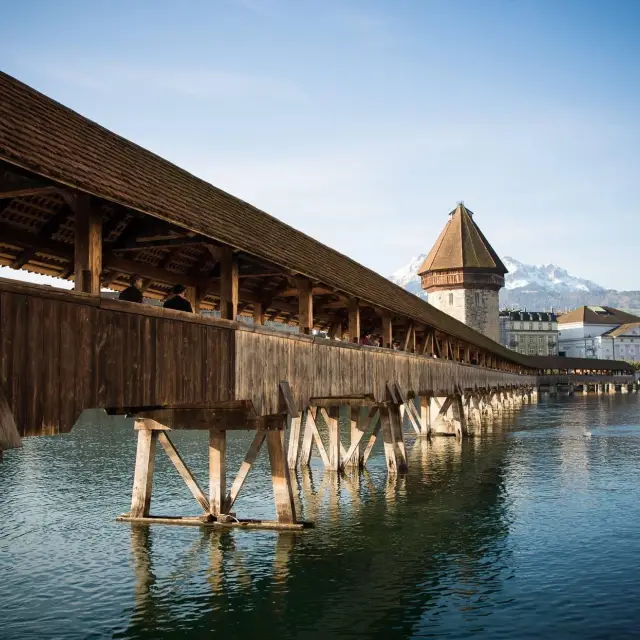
504	534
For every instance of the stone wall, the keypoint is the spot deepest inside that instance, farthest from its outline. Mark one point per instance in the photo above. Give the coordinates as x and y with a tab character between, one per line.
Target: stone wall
477	308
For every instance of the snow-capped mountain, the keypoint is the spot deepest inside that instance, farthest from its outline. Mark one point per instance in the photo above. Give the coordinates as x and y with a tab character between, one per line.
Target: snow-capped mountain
539	287
548	277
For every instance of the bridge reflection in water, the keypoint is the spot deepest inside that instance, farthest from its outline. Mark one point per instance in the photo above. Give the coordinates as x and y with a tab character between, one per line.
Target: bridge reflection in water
379	538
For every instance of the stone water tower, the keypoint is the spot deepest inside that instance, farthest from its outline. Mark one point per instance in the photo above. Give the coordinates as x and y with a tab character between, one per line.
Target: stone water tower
463	274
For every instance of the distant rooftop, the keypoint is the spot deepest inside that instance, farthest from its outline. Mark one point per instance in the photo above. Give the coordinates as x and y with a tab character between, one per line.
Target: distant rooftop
597	315
530	316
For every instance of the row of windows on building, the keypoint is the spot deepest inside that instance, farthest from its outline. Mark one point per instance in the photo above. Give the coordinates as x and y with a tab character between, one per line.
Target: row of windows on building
531	327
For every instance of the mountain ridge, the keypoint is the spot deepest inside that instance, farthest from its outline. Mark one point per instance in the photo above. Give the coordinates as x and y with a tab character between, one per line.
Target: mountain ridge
535	287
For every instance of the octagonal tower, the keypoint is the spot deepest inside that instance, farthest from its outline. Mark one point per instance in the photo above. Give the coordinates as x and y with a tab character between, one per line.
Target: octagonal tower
463	274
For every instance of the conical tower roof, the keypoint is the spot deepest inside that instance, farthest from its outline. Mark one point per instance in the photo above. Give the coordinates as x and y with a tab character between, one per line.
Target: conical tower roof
462	245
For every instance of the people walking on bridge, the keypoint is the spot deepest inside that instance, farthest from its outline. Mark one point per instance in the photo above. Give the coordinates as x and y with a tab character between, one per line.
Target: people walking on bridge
133	293
178	299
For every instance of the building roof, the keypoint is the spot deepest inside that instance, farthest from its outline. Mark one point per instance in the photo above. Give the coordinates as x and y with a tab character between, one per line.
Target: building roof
461	245
49	139
530	316
597	315
624	330
562	363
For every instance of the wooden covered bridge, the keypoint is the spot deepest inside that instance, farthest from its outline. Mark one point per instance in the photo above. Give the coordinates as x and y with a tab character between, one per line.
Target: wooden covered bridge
80	203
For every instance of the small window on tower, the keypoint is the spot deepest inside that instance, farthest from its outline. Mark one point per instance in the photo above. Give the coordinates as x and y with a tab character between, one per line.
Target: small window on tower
451	299
477	297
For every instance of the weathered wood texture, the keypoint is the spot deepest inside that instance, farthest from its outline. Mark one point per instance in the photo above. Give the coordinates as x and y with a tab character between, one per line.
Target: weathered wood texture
319	368
9	436
61	354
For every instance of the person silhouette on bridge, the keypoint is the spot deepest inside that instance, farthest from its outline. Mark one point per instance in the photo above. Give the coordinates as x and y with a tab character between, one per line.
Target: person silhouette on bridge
178	299
133	292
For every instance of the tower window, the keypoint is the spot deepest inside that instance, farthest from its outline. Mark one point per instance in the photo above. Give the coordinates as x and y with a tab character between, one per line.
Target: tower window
477	296
451	299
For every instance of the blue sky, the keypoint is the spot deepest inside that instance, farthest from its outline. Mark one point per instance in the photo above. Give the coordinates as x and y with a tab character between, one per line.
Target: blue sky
362	123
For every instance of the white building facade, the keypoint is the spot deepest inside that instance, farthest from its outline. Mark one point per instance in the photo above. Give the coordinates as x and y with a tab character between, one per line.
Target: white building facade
603	333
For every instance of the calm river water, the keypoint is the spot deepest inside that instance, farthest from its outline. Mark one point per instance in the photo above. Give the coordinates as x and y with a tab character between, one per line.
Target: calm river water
531	530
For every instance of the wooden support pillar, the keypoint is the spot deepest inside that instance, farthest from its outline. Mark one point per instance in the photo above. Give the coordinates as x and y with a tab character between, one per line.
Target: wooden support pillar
425	418
354	320
195	295
217	471
143	475
228	284
333	427
387	331
395	420
356	435
282	492
305	305
294	440
459	419
258	313
388	439
88	246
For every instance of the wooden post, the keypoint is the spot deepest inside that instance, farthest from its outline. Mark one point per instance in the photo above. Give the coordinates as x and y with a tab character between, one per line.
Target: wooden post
333	427
425	419
305	305
217	471
228	284
388	439
354	320
88	246
395	421
356	436
258	313
195	297
282	493
387	331
294	440
143	475
307	441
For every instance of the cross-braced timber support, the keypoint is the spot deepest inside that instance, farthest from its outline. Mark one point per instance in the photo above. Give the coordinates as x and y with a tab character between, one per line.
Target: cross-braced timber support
217	507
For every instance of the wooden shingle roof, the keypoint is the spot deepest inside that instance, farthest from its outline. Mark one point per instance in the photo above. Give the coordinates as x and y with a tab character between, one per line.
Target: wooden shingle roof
461	245
49	139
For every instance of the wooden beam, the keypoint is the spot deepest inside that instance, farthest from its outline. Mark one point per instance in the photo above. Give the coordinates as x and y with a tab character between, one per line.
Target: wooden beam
88	245
354	320
258	313
228	284
387	331
245	467
26	188
305	304
167	243
217	471
183	470
143	474
48	229
282	492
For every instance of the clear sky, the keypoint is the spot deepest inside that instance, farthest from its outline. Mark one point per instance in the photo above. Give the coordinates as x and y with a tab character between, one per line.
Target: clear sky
362	123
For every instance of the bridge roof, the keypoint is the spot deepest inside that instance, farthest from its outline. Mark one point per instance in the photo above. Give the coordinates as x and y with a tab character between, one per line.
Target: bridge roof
46	138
